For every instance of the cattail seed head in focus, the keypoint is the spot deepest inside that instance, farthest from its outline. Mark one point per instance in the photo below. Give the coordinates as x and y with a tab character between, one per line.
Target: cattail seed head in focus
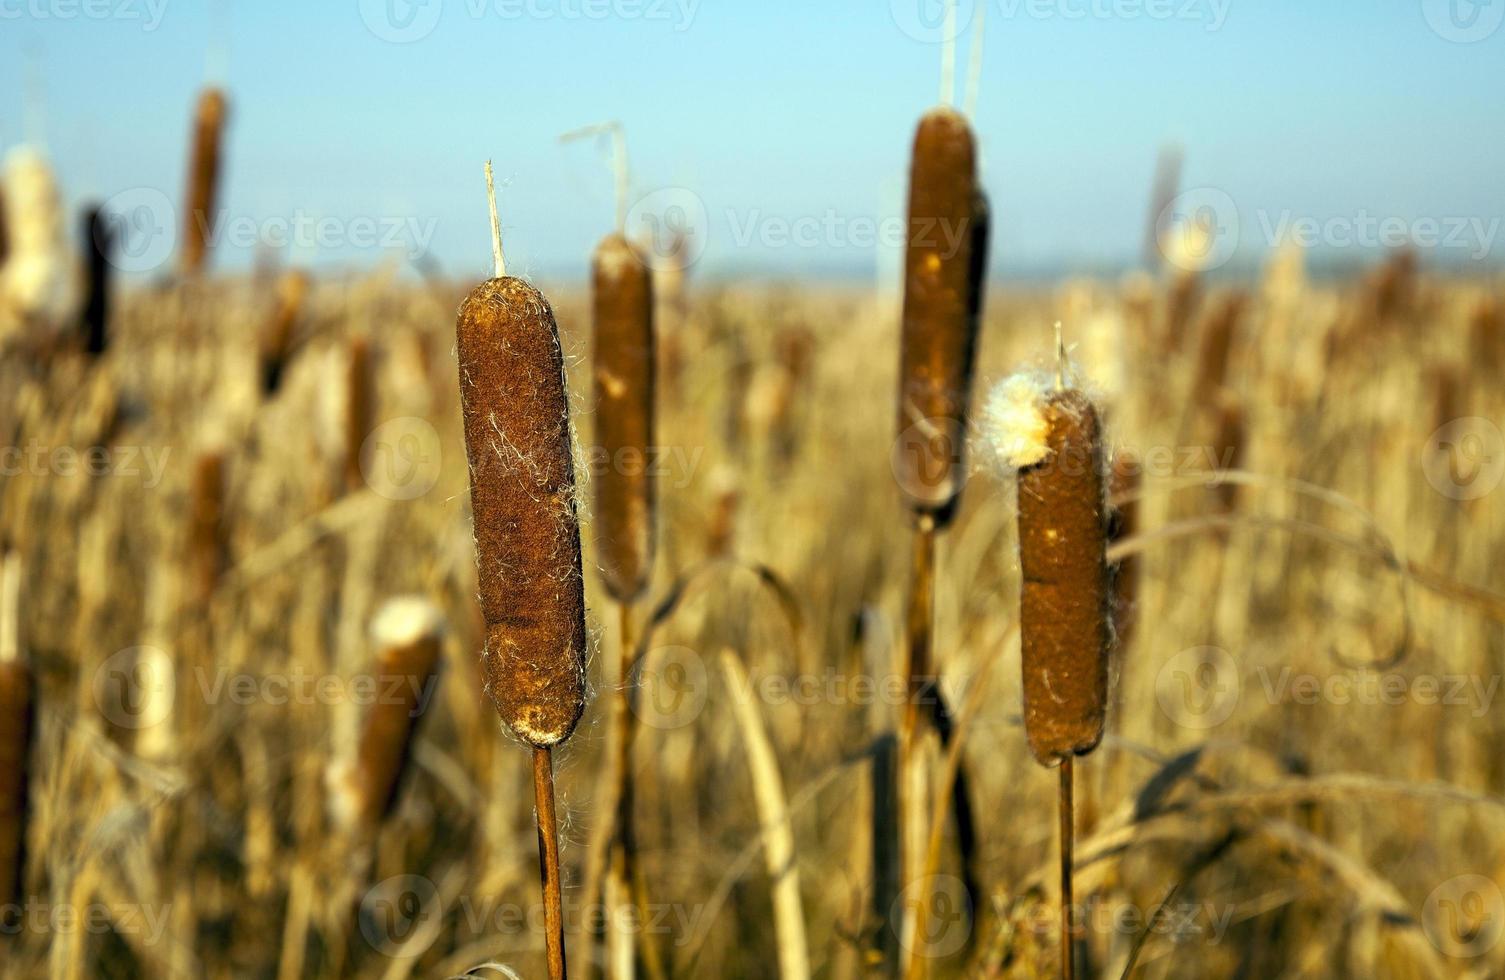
522	488
1054	439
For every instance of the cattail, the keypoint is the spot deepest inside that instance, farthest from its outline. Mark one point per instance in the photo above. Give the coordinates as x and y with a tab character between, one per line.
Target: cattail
1217	345
942	293
203	178
17	716
206	541
1393	285
276	342
793	349
359	408
99	242
522	488
1228	444
622	317
1163	193
1050	436
1064	602
522	493
408	634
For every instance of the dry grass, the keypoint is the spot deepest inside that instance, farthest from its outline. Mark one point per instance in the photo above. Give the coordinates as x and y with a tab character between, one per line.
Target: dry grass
1291	839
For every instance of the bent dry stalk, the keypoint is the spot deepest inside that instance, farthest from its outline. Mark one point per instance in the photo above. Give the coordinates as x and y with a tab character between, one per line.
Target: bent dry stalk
522	488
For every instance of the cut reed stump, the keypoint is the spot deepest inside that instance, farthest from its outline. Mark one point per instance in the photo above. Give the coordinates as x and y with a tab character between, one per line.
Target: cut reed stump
99	243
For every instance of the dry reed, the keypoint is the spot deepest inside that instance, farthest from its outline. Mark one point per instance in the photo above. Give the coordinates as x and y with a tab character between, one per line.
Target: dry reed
275	345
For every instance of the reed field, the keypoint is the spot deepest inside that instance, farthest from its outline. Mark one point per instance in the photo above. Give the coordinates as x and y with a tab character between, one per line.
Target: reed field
1299	775
366	618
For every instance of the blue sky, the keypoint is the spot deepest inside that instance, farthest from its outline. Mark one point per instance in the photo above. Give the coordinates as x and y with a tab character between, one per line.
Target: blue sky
772	116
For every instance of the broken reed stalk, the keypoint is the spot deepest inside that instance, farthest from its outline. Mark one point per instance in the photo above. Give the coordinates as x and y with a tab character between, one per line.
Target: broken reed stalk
99	242
17	729
408	633
944	272
275	345
1123	524
203	179
1051	437
527	534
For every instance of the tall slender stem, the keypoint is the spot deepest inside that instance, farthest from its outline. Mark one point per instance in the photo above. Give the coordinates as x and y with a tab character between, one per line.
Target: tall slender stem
917	671
548	860
1068	831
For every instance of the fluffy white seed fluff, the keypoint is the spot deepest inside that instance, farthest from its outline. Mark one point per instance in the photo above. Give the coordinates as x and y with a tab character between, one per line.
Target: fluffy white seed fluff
405	620
1012	423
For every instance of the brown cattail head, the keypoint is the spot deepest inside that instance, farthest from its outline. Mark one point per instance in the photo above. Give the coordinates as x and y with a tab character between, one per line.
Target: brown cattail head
522	491
1123	523
203	178
942	290
408	634
1064	600
721	527
359	407
275	345
17	714
1228	444
99	242
206	536
622	317
1217	344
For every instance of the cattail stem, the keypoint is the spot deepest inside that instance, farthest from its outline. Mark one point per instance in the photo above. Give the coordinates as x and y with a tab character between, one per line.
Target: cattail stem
917	672
1068	830
548	860
622	869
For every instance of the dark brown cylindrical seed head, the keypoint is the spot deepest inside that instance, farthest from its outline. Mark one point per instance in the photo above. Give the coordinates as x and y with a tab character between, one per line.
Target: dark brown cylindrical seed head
622	318
359	407
522	491
942	291
203	178
1063	614
17	712
1487	334
407	666
206	543
99	241
276	342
